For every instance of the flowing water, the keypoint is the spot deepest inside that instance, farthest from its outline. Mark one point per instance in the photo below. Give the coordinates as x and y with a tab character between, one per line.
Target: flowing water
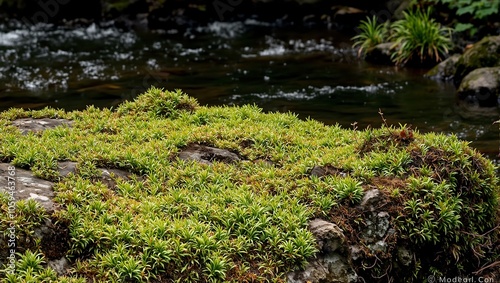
311	72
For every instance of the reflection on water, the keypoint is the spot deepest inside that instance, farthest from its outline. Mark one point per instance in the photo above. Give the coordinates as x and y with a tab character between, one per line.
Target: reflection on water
313	73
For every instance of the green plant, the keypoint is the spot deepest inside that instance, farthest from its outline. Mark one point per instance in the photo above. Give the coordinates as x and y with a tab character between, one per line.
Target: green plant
371	34
417	36
478	9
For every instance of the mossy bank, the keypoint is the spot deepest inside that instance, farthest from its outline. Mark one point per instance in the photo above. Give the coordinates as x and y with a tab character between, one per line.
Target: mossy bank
226	194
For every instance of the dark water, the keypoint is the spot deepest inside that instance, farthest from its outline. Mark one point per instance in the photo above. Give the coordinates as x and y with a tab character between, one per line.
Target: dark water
313	73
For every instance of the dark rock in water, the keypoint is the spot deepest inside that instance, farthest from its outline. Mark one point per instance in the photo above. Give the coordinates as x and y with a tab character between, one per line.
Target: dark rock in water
481	87
444	70
207	155
35	125
485	53
27	186
381	54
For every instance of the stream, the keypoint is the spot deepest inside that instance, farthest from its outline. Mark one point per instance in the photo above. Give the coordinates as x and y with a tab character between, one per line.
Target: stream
312	72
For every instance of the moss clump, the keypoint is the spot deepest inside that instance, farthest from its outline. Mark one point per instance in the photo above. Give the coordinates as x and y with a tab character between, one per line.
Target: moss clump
177	220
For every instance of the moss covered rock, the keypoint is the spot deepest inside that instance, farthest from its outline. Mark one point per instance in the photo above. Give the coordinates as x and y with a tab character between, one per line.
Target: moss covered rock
444	70
485	53
402	205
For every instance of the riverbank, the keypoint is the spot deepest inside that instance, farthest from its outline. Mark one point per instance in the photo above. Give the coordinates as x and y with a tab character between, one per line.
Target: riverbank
163	189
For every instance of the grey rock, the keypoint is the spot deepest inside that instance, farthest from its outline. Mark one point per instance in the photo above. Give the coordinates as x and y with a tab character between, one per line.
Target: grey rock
379	246
329	236
66	167
60	266
377	226
480	88
331	268
320	171
444	70
27	125
207	155
26	186
370	200
355	252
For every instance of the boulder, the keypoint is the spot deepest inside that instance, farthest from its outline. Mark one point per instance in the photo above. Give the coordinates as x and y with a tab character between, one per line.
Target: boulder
444	70
485	53
481	87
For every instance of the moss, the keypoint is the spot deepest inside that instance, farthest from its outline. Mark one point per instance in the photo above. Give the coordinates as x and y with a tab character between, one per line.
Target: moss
180	220
485	53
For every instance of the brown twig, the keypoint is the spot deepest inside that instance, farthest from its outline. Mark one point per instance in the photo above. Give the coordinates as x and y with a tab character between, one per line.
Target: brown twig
382	116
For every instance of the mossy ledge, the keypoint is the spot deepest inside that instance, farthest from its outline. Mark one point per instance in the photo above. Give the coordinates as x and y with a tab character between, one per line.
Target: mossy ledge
403	205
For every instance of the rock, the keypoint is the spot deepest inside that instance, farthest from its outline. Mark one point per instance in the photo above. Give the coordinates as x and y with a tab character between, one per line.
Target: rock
370	200
27	186
66	167
405	257
331	265
60	266
53	237
109	176
444	70
485	53
320	171
27	125
332	268
329	236
377	226
480	88
380	54
207	155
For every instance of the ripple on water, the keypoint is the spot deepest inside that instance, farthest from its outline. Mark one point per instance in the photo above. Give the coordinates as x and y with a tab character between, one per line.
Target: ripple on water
312	92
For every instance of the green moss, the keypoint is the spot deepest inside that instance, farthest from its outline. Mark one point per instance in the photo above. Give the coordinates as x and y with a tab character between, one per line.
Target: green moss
177	220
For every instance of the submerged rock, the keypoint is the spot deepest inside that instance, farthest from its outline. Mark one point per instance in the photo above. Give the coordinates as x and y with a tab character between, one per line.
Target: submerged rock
481	87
